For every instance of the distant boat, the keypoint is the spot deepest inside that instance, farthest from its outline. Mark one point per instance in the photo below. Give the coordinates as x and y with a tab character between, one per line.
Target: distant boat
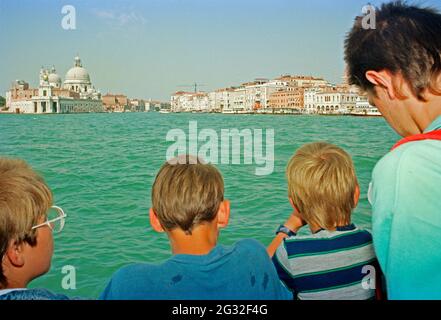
366	113
164	111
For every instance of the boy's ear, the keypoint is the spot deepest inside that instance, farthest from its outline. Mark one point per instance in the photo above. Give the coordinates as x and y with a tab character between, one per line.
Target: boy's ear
356	195
293	205
14	253
154	222
223	214
382	79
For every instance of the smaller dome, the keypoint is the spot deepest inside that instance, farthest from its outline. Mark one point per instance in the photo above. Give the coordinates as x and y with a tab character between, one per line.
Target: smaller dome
54	78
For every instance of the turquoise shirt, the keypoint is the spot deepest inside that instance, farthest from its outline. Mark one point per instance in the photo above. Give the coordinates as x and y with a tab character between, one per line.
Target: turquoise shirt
406	218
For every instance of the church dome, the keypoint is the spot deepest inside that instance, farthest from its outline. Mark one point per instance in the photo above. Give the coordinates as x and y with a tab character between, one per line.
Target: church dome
77	74
54	79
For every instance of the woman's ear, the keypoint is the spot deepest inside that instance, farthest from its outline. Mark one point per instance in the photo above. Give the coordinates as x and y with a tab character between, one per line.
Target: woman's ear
15	253
154	222
356	195
382	80
223	214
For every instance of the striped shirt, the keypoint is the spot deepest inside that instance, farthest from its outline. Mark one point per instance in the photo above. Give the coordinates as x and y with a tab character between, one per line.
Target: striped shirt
329	265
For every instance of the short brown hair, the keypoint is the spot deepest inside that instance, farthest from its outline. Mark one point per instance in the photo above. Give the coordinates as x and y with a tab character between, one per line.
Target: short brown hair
406	40
322	183
24	199
185	195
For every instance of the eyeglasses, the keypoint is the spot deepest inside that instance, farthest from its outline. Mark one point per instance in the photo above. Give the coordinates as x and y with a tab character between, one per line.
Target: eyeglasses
55	220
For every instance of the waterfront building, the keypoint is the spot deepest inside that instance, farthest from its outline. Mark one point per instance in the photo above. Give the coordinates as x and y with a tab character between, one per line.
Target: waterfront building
201	102
137	105
333	100
303	81
180	101
115	102
309	99
176	101
190	102
155	105
237	101
222	100
363	108
288	100
20	90
258	93
75	95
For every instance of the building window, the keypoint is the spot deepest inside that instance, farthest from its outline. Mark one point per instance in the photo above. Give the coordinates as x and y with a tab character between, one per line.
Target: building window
44	93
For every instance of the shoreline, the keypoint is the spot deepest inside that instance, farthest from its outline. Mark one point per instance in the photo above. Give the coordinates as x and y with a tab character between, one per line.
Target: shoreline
206	113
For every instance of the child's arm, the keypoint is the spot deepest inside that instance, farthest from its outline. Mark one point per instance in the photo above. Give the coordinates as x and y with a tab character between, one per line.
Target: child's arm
294	223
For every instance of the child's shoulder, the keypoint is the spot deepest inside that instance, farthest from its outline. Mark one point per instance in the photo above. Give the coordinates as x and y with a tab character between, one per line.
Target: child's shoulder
133	272
129	279
250	246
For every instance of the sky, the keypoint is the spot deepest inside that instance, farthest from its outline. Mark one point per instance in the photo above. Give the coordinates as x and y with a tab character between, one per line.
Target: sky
153	48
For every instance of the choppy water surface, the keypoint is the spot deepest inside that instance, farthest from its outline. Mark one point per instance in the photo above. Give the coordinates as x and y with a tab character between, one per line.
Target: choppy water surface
101	168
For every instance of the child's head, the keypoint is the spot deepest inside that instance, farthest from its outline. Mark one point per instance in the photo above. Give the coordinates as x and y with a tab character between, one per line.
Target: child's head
24	202
187	194
322	185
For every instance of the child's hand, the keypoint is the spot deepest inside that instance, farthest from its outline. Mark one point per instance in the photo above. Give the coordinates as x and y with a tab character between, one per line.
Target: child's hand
295	221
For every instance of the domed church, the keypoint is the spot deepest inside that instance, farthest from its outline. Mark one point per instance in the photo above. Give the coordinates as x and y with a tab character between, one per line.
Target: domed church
77	79
75	95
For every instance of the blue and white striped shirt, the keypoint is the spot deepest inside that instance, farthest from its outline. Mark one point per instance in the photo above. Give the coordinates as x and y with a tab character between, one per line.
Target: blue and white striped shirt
329	265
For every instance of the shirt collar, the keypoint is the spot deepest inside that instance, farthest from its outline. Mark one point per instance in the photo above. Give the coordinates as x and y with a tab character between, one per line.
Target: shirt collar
349	227
213	255
6	291
434	126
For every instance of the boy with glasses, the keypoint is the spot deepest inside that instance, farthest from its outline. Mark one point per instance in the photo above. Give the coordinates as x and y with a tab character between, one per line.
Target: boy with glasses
27	221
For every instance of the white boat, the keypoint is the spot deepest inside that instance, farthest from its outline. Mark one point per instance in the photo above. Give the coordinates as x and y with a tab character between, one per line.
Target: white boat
366	113
164	111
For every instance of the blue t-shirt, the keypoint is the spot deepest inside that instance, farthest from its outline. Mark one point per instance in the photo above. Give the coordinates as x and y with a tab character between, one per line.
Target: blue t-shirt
31	294
239	272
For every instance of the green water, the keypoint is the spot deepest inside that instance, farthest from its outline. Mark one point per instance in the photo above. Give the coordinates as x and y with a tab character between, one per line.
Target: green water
101	167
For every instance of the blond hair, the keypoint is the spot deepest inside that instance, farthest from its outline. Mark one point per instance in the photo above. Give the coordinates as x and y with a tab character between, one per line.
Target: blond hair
24	199
322	183
187	194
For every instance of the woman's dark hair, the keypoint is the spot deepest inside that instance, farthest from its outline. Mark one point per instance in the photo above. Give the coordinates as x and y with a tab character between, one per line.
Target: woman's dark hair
406	40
